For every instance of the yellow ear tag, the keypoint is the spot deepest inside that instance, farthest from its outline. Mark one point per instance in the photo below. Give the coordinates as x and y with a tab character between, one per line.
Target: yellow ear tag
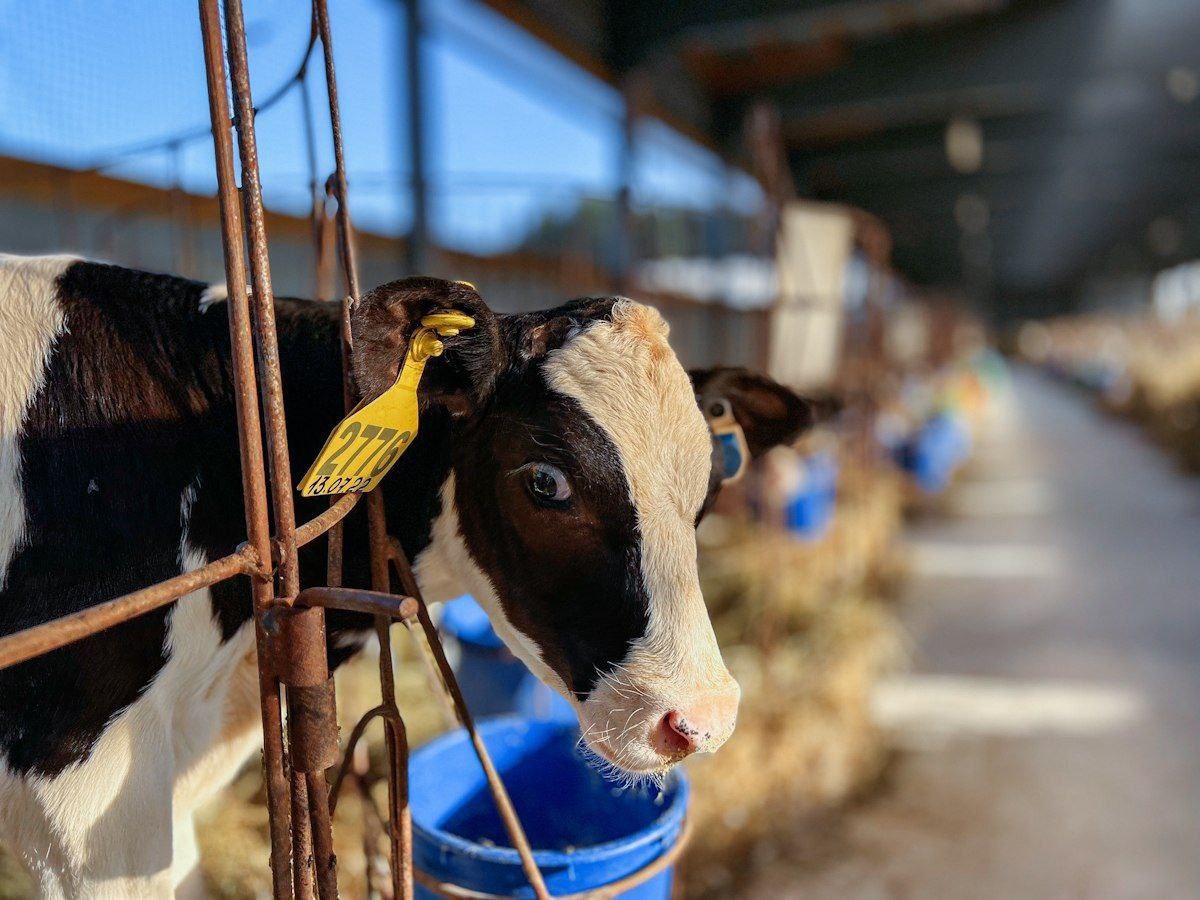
367	443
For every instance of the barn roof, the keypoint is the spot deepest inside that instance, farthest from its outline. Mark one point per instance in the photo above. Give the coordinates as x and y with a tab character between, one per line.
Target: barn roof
1075	122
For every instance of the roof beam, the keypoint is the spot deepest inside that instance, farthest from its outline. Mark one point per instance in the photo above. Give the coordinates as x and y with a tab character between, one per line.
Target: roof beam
650	30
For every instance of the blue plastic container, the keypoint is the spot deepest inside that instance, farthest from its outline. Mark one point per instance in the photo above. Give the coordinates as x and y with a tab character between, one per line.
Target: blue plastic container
585	831
493	681
809	511
488	674
933	453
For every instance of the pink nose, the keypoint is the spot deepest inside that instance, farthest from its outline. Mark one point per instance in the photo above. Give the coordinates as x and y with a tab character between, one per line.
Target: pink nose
702	726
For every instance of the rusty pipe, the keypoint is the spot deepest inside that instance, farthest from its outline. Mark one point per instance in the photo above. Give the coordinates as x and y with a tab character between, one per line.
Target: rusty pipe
320	524
310	651
508	813
24	645
249	443
340	184
373	603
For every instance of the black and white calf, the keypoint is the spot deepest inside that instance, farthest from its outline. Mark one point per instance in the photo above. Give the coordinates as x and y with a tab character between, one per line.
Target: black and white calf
561	469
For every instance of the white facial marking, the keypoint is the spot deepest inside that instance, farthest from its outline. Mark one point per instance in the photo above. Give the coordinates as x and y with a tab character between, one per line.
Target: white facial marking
628	380
31	320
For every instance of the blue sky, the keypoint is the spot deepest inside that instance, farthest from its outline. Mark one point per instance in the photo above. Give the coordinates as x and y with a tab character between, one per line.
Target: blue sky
514	128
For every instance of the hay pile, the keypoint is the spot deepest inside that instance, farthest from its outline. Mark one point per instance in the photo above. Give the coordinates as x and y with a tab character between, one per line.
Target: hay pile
1140	367
806	632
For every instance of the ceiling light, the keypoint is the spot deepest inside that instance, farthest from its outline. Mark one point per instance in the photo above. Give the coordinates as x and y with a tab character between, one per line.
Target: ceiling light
964	145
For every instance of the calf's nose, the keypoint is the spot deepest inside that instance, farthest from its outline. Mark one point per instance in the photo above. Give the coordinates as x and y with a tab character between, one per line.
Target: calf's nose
702	725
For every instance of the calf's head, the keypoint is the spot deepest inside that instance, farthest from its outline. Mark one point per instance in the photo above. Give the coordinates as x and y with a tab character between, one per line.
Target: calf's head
581	464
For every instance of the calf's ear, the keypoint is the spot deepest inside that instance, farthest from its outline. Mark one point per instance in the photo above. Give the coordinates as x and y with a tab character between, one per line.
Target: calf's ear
768	413
463	378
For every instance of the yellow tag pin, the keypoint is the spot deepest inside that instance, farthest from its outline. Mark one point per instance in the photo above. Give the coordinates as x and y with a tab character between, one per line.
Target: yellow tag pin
367	443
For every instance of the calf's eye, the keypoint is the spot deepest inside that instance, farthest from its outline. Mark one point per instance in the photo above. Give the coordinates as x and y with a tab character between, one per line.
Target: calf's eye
547	483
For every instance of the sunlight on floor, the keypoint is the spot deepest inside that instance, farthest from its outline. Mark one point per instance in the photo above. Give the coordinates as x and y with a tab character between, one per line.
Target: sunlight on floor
993	560
958	706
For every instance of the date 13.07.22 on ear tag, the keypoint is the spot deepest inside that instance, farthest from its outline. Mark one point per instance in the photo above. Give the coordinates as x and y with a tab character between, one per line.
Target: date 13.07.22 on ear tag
367	443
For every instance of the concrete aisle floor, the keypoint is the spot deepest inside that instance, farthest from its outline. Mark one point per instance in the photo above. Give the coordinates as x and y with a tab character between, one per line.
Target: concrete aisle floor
1050	728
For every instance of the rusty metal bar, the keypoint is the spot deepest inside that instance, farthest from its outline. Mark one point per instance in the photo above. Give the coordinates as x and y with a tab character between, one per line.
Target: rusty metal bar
340	186
374	603
395	736
512	824
399	815
396	742
267	345
316	194
372	824
336	186
384	607
249	442
325	861
24	645
312	743
310	650
356	734
302	842
318	525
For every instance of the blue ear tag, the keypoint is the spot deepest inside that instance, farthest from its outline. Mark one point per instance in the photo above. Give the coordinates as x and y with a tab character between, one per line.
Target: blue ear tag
730	437
732	454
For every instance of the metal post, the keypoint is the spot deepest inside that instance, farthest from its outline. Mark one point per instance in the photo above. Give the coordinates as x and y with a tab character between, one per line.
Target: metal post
504	805
250	443
418	238
396	739
400	831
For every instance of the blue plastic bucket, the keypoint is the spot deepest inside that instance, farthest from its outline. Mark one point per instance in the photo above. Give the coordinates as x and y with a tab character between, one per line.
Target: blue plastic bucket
585	831
809	511
488	674
933	453
492	680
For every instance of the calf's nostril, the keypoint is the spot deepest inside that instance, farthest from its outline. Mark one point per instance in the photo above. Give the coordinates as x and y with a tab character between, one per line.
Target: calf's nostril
686	736
671	738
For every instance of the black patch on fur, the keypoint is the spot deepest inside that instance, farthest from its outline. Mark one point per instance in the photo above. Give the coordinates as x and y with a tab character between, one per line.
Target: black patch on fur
570	579
136	407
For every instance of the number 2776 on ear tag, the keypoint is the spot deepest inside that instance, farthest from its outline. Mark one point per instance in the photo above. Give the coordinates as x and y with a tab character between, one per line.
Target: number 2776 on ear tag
367	442
361	455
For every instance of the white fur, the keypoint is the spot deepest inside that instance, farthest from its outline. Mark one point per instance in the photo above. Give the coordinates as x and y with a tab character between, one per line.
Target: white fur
119	824
30	322
628	380
215	294
212	295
